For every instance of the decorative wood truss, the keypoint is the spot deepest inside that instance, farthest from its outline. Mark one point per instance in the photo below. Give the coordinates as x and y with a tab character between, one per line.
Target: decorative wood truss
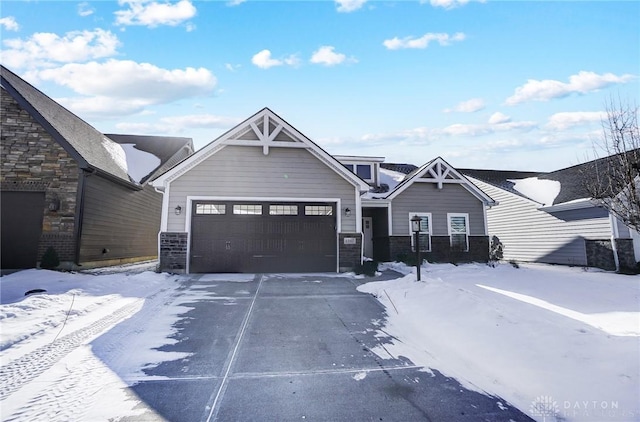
439	173
266	132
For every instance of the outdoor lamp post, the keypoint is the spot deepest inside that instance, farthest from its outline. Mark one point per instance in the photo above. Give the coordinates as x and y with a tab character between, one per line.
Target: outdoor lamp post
415	227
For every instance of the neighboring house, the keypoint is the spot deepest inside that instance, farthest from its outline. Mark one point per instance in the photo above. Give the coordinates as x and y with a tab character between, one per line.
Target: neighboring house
66	185
550	218
264	198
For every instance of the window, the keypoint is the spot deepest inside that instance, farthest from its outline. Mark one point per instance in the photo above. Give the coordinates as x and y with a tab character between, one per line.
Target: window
425	231
318	210
211	209
283	210
247	209
459	231
364	171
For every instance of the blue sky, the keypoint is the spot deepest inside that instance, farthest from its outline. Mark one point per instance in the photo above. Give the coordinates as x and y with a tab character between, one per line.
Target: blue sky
495	84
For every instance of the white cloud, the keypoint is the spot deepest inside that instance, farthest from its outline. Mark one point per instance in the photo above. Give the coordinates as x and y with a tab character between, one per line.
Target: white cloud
498	118
201	121
45	49
469	106
235	2
501	123
582	83
264	60
232	67
346	6
125	87
567	120
423	42
327	56
180	124
103	107
9	23
153	13
85	10
447	4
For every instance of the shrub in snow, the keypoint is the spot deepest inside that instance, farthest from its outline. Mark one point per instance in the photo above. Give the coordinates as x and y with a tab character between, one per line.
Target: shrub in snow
496	251
408	259
50	259
368	268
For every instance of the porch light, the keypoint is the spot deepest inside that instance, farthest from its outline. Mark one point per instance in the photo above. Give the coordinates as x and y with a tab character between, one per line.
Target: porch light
415	228
347	212
178	210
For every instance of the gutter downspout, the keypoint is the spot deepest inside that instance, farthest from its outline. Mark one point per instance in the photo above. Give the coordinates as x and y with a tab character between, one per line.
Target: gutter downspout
614	235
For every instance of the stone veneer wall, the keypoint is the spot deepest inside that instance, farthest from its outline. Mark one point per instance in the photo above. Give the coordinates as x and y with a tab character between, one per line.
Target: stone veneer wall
33	161
350	254
626	255
173	252
441	250
600	254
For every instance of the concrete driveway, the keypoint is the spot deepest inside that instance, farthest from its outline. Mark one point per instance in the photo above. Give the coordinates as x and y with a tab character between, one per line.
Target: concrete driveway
293	347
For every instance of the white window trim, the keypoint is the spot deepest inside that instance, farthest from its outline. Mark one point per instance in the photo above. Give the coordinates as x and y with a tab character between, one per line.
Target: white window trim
421	214
355	169
458	214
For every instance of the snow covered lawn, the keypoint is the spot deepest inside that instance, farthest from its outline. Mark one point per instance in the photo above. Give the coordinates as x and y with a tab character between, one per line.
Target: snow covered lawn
559	343
68	348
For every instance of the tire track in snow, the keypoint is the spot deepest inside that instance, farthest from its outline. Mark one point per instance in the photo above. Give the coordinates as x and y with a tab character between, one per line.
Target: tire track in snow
21	371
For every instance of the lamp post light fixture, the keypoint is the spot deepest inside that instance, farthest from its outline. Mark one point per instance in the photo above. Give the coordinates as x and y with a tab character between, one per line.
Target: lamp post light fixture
415	227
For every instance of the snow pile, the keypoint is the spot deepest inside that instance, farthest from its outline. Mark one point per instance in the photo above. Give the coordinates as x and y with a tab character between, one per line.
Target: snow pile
562	334
540	190
140	163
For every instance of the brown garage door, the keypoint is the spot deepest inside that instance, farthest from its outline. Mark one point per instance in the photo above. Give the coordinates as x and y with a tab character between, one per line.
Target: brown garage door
21	215
259	237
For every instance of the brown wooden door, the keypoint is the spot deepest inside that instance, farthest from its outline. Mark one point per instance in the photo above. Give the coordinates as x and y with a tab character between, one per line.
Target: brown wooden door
21	215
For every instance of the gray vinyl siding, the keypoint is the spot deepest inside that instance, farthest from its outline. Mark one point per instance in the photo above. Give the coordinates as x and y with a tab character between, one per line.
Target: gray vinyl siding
531	235
245	172
426	197
123	221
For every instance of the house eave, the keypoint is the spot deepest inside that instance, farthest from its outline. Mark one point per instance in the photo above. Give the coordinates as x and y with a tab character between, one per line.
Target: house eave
572	205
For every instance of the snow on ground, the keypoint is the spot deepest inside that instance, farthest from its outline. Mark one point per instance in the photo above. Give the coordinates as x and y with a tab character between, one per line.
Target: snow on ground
69	346
559	343
540	190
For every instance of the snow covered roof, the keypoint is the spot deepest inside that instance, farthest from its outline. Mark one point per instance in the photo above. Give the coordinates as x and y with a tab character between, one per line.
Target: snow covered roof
566	186
127	158
540	190
147	156
87	145
389	178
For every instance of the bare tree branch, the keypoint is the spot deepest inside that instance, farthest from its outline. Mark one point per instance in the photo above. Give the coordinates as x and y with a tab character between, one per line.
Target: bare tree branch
614	181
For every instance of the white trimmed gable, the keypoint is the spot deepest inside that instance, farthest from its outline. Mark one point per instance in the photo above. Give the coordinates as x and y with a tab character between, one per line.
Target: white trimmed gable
439	172
267	130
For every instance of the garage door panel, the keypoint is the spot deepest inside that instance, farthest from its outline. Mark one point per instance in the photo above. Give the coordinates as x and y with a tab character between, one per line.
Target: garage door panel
263	243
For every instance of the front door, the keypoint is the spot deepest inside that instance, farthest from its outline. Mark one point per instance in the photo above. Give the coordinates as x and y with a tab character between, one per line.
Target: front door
367	231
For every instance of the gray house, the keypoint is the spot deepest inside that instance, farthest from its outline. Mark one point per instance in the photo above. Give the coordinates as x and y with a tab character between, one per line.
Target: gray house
550	218
264	198
65	185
